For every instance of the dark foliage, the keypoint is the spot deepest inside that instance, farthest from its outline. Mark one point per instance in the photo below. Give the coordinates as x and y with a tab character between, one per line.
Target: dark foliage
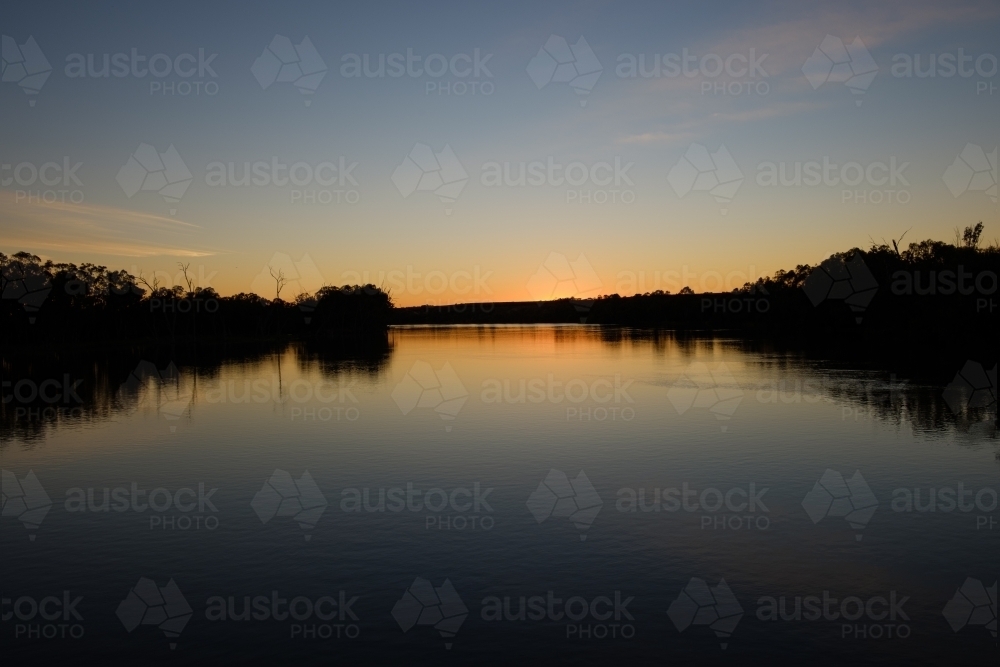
47	303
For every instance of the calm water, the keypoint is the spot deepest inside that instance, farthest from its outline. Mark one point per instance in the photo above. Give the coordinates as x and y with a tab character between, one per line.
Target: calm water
606	475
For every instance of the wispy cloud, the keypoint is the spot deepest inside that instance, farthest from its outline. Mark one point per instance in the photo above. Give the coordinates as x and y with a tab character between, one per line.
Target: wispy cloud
657	137
677	109
92	228
788	42
693	128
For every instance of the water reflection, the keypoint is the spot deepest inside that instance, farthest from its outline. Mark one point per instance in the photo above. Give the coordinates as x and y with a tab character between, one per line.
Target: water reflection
481	456
56	388
87	387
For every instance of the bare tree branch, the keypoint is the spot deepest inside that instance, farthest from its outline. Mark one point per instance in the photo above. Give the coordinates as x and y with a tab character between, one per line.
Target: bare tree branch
279	280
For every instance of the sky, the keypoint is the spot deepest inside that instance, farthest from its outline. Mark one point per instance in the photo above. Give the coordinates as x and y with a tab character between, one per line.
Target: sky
654	154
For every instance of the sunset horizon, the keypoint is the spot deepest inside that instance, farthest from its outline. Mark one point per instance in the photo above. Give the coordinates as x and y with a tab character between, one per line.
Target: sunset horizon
537	167
451	333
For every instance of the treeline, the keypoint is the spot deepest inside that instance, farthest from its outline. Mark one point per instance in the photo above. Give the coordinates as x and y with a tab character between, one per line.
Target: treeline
930	293
931	286
61	303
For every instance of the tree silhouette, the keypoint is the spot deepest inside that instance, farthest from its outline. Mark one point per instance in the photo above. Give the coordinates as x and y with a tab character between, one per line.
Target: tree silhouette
279	280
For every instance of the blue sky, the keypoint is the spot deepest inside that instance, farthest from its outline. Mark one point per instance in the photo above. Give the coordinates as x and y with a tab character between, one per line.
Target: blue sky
649	224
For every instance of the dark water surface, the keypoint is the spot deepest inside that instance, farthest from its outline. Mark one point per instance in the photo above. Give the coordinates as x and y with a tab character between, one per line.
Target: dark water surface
397	509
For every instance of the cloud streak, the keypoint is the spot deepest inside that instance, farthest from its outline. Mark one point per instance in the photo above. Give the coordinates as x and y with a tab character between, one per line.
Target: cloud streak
702	125
92	228
676	106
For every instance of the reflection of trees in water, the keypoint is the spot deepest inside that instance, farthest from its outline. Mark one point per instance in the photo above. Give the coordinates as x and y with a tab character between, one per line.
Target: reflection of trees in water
89	387
166	392
891	399
164	381
368	356
75	394
898	402
916	402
